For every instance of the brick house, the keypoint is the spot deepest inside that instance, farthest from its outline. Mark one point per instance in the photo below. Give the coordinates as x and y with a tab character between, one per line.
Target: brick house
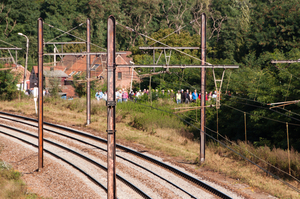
76	65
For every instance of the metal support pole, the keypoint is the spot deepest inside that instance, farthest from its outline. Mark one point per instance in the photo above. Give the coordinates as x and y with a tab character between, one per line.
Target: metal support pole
217	125
203	85
54	51
26	61
111	103
288	146
88	74
40	95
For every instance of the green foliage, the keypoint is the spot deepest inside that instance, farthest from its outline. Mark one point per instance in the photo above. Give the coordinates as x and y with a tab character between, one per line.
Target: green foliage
79	84
8	85
54	86
249	33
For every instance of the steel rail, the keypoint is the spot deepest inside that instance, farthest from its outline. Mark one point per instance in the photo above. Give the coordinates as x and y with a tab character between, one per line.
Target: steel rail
166	166
136	189
87	143
59	157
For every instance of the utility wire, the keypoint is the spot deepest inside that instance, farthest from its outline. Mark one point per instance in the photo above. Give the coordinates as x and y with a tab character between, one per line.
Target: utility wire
267	109
287	72
191	22
173	48
73	35
262	103
233	143
273	175
260	116
8	43
66	32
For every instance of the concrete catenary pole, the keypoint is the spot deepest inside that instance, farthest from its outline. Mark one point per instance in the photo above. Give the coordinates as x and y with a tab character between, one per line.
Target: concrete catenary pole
40	95
203	86
111	105
88	74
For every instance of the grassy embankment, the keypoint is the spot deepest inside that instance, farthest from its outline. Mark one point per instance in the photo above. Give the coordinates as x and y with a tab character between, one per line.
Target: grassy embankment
11	184
166	134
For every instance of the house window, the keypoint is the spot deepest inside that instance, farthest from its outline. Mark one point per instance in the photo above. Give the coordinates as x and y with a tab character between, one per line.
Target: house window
72	73
95	67
119	75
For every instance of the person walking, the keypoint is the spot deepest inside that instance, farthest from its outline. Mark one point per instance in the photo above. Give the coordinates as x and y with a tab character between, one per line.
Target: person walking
182	96
97	95
194	96
178	97
124	96
186	96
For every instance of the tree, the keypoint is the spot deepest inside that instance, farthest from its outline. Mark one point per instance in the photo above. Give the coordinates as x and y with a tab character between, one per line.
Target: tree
275	25
8	84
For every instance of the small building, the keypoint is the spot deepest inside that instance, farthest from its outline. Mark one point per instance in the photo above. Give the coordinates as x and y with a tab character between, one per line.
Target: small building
76	65
50	77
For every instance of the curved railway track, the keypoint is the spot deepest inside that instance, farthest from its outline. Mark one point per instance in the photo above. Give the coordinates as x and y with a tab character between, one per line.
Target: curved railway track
56	129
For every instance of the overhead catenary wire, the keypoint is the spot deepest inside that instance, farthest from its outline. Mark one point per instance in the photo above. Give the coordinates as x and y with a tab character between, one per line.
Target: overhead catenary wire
73	35
66	32
191	22
233	143
267	109
266	171
260	116
172	48
287	72
8	43
254	101
261	103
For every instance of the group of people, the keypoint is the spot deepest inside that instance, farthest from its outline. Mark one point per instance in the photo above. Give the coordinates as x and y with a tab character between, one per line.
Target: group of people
189	96
180	97
121	95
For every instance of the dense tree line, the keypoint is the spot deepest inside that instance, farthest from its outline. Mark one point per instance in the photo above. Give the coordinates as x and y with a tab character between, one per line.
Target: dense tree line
249	33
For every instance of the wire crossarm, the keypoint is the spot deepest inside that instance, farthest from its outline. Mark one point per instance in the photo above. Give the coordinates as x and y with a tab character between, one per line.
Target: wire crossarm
180	66
285	61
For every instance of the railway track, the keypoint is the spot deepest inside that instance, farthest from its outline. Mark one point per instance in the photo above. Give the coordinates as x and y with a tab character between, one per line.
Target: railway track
131	157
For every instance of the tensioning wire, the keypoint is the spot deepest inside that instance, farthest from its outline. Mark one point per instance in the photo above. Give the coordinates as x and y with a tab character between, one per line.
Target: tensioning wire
260	116
66	32
73	35
273	175
173	48
261	103
233	143
266	109
8	44
191	22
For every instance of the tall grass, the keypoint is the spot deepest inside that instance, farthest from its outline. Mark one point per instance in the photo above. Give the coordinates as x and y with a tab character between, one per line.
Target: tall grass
267	157
11	184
